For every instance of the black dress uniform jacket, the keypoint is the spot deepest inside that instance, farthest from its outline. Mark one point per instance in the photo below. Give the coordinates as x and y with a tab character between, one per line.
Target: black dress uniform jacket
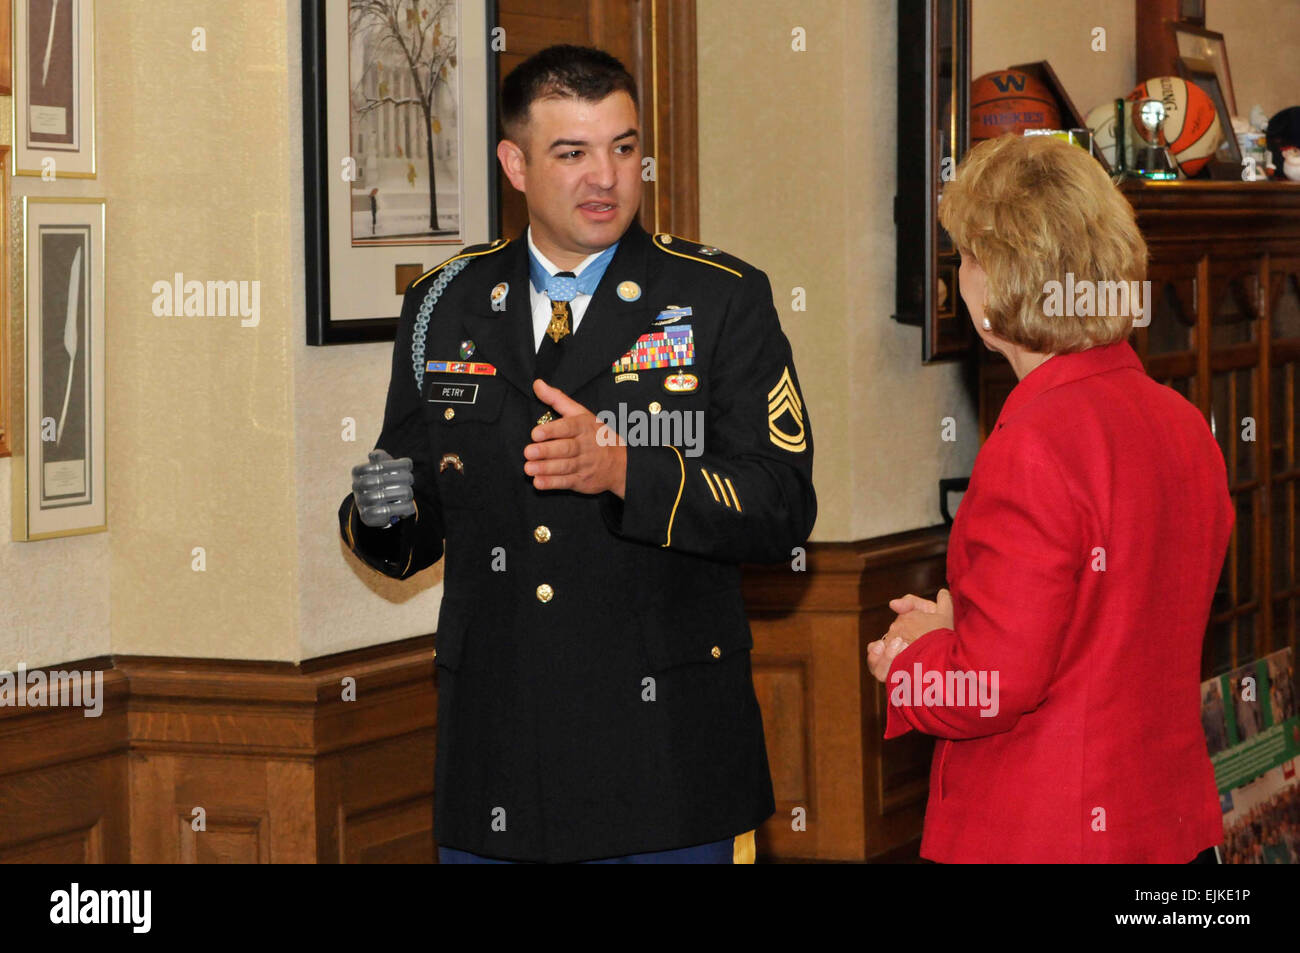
594	688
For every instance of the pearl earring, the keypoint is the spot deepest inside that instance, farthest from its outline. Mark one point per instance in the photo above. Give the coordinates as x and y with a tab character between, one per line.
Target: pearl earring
987	326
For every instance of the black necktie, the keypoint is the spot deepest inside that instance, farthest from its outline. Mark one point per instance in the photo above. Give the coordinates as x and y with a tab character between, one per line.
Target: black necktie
557	334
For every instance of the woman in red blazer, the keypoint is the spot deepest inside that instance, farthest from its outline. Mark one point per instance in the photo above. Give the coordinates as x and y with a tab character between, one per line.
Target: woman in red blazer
1061	673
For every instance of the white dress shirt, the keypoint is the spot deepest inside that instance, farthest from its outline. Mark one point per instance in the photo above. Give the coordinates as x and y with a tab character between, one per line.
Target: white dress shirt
542	304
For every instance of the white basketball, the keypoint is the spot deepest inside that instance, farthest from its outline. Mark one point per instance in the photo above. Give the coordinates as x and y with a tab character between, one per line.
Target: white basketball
1101	123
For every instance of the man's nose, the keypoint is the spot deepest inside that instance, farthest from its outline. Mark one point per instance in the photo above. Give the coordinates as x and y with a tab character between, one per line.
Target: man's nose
603	173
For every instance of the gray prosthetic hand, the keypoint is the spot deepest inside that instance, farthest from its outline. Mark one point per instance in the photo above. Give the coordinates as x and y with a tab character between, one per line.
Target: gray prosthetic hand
382	489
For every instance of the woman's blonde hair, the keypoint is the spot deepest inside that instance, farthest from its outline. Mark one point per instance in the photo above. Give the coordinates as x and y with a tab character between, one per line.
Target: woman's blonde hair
1032	209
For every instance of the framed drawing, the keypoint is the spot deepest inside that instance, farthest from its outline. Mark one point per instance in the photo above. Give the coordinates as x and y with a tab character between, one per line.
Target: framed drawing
1199	43
6	347
58	453
933	136
54	109
398	143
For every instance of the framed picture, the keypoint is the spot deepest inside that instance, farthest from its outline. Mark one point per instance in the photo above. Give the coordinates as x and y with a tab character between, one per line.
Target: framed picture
398	141
1192	11
1199	43
933	136
54	109
6	346
6	49
58	453
1226	163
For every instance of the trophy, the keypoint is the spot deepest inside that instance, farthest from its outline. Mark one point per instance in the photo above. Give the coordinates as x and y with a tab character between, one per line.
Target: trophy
1154	162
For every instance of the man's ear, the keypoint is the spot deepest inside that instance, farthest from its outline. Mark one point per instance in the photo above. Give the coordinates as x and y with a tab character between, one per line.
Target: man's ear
514	163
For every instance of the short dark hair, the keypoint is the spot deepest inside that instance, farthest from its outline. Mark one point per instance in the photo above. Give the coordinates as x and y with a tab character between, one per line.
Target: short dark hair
577	72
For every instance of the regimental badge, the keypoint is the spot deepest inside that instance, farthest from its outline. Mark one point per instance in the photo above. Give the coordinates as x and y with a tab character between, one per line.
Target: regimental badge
499	296
466	350
629	290
672	347
709	250
783	401
681	383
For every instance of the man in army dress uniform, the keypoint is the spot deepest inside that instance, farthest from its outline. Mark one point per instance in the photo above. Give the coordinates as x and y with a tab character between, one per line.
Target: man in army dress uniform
595	700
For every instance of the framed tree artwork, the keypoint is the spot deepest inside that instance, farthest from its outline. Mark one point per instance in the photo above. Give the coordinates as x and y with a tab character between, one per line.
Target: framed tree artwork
398	121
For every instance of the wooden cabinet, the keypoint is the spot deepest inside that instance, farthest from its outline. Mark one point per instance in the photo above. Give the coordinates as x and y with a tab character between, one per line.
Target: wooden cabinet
1225	333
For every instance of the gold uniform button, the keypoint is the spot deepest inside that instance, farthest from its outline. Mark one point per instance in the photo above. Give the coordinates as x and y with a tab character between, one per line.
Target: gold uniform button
655	406
716	652
545	593
542	534
449	413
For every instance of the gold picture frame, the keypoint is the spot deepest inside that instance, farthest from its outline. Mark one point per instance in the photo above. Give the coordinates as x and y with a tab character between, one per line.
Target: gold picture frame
58	435
53	105
6	323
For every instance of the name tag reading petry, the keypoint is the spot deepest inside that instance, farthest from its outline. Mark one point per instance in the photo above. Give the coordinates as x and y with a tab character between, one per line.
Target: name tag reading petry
452	393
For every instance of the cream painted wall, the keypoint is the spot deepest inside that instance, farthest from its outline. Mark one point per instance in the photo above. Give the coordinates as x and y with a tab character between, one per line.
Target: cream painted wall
1263	40
196	159
1060	31
341	603
797	177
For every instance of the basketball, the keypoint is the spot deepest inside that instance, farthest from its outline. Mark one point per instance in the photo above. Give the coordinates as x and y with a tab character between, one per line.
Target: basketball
1191	128
1010	101
1101	123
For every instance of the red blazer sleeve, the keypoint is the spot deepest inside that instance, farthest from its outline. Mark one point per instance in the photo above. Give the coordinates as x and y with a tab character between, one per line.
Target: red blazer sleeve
1023	546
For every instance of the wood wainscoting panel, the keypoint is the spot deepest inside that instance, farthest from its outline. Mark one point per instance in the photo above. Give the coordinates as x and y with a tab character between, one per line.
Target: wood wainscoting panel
842	792
374	769
363	821
330	761
63	779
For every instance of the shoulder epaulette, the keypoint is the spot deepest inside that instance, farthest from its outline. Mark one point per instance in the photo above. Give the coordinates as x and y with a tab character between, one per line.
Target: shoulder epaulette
697	251
472	251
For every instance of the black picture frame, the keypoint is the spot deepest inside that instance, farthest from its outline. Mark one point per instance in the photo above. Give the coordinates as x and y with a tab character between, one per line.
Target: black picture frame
317	167
933	126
